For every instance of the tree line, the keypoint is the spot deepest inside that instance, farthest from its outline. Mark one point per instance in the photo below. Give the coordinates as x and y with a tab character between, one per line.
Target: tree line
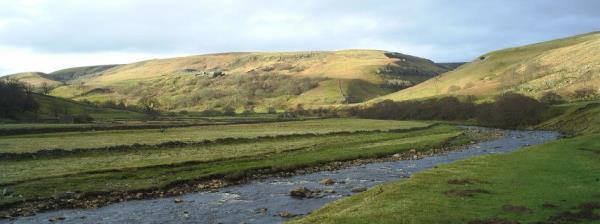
507	110
16	98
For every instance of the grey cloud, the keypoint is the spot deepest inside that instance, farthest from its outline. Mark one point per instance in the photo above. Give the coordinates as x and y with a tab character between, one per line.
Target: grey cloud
441	30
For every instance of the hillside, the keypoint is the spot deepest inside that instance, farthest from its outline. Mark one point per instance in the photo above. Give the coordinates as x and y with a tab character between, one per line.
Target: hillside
70	74
59	77
250	80
50	107
34	78
562	65
579	118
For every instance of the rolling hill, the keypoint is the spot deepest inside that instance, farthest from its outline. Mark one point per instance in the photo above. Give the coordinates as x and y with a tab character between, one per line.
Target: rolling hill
70	74
250	80
562	65
34	78
60	77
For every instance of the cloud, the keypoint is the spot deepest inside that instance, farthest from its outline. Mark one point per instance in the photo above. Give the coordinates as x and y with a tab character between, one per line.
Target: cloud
22	59
440	30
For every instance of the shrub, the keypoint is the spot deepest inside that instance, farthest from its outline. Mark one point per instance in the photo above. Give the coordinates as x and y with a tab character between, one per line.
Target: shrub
551	98
248	112
82	118
511	110
229	111
585	93
453	88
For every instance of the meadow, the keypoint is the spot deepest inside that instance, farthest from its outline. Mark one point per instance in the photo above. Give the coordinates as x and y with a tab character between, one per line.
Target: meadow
96	139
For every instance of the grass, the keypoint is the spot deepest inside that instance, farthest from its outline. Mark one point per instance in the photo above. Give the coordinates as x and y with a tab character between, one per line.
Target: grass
49	104
35	78
71	140
562	65
84	162
577	118
190	119
156	168
526	186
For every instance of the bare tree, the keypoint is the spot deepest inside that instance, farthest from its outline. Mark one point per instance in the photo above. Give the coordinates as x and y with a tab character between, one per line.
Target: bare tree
45	88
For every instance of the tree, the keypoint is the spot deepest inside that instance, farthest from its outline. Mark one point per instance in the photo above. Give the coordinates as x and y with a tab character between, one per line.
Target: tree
511	110
16	98
149	105
45	88
271	110
229	111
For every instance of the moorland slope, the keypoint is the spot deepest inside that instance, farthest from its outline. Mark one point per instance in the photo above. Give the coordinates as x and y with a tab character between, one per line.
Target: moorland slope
563	66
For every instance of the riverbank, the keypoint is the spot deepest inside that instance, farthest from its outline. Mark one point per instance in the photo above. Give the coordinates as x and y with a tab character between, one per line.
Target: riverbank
556	182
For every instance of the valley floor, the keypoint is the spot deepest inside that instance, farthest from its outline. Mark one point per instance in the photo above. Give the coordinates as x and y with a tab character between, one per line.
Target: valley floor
206	157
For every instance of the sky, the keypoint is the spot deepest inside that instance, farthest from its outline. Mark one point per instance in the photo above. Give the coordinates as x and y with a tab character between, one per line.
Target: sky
48	35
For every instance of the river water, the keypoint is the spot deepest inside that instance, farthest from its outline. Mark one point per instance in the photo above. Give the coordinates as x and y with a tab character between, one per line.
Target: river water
262	201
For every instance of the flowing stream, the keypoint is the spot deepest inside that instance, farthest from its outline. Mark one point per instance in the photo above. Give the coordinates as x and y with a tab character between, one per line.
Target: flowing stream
263	201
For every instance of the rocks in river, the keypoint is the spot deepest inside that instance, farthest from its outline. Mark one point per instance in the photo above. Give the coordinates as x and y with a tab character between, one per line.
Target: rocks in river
359	189
178	200
56	218
397	155
301	192
286	214
261	211
327	181
330	191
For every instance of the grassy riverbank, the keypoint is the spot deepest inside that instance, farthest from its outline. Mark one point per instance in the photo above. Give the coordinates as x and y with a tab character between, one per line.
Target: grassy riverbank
556	182
73	180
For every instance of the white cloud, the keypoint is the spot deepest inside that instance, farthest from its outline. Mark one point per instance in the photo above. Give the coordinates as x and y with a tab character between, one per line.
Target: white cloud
18	59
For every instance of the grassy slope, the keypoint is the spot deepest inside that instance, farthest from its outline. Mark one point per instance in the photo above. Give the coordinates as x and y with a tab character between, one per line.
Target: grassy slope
34	78
577	118
70	74
346	65
563	173
115	172
70	140
560	65
48	104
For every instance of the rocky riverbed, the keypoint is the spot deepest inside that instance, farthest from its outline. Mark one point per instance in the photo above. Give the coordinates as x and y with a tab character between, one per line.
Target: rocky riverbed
276	199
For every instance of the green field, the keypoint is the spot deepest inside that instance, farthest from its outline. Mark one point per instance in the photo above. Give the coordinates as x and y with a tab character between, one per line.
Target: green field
71	140
152	168
549	182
